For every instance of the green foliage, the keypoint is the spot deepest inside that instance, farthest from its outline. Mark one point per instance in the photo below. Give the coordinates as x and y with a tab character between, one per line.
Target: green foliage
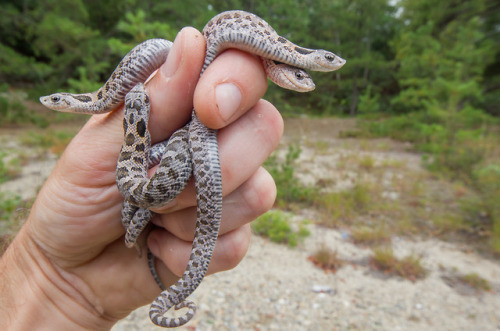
476	282
8	169
275	225
55	141
289	188
367	236
345	205
327	259
425	57
13	109
9	202
409	267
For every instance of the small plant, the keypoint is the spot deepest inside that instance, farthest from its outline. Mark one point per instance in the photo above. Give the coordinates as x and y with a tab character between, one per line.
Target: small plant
367	163
345	205
8	204
408	267
275	226
289	188
56	141
475	281
367	236
8	169
327	259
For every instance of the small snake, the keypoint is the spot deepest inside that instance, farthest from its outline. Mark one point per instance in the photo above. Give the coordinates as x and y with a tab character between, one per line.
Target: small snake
194	145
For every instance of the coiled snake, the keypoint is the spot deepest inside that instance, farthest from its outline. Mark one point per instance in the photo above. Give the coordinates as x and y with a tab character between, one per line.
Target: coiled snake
193	148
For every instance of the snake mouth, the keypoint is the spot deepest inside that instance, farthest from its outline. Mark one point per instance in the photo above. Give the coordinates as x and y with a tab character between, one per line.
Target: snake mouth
59	105
335	65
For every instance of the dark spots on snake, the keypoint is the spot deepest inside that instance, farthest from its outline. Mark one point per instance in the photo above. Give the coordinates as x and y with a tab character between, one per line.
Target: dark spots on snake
125	125
141	128
136	105
124	156
138	160
131	118
237	15
301	50
180	157
239	20
248	18
99	94
138	190
140	147
172	173
121	172
129	139
267	32
282	40
82	98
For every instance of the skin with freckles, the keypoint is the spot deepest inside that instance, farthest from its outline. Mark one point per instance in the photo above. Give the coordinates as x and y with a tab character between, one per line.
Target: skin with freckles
68	267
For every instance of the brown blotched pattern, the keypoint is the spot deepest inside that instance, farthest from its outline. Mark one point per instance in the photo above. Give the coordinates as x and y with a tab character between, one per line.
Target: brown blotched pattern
192	147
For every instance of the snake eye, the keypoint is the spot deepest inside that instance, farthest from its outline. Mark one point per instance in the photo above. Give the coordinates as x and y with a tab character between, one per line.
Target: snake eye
329	57
299	75
55	98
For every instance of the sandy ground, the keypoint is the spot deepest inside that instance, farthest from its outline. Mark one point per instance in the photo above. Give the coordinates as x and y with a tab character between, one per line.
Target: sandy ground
278	288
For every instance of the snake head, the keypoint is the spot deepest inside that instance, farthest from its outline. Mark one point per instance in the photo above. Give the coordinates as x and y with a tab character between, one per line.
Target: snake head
327	61
57	101
296	79
289	77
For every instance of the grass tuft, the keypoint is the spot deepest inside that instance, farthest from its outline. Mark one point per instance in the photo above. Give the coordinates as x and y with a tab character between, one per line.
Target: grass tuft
327	259
475	281
367	236
409	267
275	225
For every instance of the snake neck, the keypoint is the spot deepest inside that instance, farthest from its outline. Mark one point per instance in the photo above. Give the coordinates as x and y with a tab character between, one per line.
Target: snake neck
250	33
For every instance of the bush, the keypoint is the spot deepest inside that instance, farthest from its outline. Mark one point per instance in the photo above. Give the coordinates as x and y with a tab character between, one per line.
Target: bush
275	226
289	188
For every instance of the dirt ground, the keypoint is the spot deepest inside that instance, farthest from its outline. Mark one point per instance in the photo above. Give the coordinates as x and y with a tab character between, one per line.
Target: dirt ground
278	288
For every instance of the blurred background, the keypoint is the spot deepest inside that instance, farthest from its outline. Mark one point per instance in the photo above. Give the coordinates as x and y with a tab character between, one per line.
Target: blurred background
402	142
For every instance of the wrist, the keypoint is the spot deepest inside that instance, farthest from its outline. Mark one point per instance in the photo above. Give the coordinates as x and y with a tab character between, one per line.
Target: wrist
35	294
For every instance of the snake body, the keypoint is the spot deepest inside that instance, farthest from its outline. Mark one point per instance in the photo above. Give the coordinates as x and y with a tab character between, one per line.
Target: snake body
192	147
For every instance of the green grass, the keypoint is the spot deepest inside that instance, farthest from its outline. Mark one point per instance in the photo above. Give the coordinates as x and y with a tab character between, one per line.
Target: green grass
9	169
275	225
10	205
344	206
289	188
409	267
367	236
462	147
327	259
55	141
475	281
13	109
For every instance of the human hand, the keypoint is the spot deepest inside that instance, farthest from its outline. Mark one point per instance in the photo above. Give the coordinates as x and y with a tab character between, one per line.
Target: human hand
70	258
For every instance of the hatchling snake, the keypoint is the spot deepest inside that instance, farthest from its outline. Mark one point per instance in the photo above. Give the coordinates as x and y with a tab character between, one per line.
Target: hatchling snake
193	148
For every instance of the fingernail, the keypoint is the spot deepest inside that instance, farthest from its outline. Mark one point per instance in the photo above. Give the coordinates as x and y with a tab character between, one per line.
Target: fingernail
228	99
174	57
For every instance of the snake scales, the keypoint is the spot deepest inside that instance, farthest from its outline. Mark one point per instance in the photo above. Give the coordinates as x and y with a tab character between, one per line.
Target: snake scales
191	149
